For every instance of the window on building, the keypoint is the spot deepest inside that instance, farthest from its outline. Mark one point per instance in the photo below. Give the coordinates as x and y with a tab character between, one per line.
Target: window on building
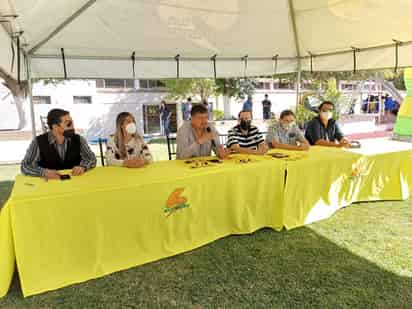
41	100
348	87
307	84
144	84
114	83
82	100
151	84
285	83
263	85
99	83
129	83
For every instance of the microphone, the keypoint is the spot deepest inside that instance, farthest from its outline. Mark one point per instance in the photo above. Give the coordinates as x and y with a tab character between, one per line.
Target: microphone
208	129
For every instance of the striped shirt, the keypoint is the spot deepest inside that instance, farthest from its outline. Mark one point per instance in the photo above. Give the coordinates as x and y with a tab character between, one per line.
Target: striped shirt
252	139
30	164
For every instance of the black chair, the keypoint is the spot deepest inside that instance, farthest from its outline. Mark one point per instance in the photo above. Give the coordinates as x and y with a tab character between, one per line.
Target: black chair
44	126
223	138
171	146
102	141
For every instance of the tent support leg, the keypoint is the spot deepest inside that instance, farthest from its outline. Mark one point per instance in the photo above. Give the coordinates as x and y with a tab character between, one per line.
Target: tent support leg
30	96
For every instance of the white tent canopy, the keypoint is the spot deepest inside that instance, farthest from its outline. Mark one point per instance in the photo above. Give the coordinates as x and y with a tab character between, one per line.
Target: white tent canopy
99	36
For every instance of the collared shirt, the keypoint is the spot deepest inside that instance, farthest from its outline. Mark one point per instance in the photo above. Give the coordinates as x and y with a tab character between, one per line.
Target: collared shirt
251	139
136	148
284	136
266	104
30	164
316	130
186	144
247	106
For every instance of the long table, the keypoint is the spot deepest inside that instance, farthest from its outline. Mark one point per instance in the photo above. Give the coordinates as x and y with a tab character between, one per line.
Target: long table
324	180
64	232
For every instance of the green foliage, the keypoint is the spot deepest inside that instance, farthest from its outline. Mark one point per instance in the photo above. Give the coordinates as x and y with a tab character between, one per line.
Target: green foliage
238	88
332	93
396	78
303	114
182	88
218	114
51	81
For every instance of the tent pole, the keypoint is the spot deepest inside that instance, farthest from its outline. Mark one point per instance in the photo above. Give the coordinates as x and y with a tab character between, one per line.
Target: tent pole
30	88
298	83
296	39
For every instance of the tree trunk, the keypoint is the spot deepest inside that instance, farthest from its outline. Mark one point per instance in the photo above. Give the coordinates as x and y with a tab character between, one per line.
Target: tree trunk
20	112
226	107
18	95
179	115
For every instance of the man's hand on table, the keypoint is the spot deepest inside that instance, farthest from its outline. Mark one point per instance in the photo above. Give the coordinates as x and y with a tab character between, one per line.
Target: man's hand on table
51	175
78	171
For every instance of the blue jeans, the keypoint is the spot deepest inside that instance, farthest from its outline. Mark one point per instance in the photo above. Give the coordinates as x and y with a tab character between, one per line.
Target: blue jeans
166	123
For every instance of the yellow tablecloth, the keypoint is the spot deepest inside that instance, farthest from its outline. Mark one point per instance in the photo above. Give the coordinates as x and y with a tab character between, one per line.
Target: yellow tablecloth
327	179
64	232
318	184
392	168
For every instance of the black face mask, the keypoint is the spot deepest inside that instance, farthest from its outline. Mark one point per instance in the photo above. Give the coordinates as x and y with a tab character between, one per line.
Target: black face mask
68	133
245	124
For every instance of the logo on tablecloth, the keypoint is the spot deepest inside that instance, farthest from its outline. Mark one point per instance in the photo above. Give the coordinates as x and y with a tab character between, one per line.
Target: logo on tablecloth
359	169
175	202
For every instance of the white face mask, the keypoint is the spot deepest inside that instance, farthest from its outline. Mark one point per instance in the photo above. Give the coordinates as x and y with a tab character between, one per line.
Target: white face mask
131	128
287	126
326	115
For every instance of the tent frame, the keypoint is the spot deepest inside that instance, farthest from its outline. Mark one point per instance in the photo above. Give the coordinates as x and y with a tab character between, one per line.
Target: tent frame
297	47
31	54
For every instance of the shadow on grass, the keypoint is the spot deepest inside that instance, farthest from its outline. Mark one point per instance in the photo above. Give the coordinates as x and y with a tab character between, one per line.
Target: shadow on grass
5	190
292	269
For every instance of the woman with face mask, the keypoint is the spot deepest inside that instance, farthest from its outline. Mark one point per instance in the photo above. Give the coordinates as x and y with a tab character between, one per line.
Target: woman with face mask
126	147
323	129
285	134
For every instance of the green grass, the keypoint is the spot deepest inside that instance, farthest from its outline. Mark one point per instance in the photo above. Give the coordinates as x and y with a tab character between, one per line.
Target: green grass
158	148
359	258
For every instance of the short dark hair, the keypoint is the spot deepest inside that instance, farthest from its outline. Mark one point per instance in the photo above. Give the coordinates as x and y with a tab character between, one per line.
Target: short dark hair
244	111
326	103
266	95
54	116
198	109
286	113
189	99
